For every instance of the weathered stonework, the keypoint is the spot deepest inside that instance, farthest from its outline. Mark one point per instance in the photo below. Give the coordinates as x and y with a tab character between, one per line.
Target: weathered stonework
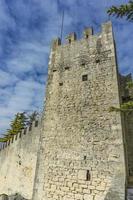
81	156
18	163
85	151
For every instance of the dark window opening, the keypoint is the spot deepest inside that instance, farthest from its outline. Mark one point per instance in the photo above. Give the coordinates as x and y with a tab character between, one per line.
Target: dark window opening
69	41
60	84
30	127
25	131
88	177
54	70
16	137
66	68
97	61
87	36
36	123
20	163
84	157
85	77
83	64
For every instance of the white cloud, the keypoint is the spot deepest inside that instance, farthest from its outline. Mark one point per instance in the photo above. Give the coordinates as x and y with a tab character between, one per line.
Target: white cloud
26	96
7	79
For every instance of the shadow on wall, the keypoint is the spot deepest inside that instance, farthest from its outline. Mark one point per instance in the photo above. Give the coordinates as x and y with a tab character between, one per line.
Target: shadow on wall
112	195
12	197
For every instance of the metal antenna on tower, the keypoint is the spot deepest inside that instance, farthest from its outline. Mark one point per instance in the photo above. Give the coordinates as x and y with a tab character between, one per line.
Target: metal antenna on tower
62	25
106	8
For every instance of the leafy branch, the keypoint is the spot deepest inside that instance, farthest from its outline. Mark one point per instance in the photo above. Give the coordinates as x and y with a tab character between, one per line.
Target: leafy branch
125	107
125	10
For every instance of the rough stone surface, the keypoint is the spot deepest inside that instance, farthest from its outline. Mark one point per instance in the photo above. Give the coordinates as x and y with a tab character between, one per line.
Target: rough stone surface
81	156
85	151
18	164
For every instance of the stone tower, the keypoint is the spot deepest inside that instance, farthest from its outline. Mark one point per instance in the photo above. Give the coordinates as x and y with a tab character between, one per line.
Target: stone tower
81	155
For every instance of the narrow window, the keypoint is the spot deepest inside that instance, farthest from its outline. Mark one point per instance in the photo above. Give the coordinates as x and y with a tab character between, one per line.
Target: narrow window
88	177
30	127
19	135
60	84
54	70
25	131
83	63
87	36
16	137
97	60
84	157
69	41
67	68
85	77
36	123
20	163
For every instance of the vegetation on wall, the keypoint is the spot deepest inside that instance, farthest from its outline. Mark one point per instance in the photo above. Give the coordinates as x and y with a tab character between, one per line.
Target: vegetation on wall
20	122
126	106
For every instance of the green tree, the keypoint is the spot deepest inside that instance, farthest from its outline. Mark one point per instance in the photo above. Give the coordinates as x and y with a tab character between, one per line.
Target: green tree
125	10
32	117
16	126
19	123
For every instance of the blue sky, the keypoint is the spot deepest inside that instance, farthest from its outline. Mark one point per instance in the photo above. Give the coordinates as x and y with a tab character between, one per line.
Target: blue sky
26	30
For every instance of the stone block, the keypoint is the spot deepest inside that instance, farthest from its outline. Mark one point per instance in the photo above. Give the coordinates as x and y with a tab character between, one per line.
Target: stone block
82	174
88	197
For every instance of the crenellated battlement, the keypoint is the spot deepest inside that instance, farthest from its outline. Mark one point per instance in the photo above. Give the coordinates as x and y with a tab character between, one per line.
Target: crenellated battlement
88	34
28	130
18	159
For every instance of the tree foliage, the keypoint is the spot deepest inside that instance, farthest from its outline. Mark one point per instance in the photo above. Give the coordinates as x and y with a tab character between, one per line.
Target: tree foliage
32	117
125	10
130	84
127	106
20	122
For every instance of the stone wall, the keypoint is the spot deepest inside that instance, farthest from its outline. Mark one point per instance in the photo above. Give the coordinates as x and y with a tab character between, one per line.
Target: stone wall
81	156
127	95
18	162
129	138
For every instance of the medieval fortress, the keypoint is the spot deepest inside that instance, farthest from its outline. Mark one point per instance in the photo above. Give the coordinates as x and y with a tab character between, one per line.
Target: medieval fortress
78	150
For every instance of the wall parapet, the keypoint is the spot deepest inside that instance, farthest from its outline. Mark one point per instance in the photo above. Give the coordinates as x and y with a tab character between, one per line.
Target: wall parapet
35	124
88	33
18	162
